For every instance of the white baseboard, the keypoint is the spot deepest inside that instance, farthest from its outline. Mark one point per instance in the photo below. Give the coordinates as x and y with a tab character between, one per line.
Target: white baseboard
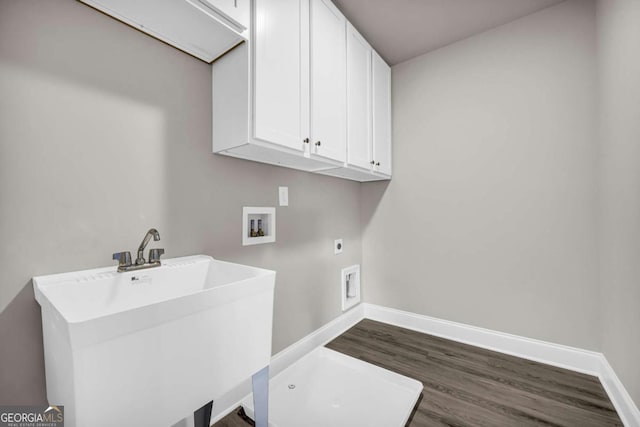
575	359
626	407
316	339
285	358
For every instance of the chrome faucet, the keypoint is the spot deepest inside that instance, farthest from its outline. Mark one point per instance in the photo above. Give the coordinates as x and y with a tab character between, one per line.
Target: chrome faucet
124	258
151	233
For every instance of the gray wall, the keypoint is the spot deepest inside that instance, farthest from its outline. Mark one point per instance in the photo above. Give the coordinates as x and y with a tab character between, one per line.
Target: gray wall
619	67
105	132
490	218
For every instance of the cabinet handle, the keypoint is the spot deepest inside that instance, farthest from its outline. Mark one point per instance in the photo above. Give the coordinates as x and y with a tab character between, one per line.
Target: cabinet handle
378	164
373	162
306	140
318	144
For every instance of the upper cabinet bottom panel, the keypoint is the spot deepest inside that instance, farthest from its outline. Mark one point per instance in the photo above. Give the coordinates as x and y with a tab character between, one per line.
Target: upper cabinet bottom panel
179	23
262	154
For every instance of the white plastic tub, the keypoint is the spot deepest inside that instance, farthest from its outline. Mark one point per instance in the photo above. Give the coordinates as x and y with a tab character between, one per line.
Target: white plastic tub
328	388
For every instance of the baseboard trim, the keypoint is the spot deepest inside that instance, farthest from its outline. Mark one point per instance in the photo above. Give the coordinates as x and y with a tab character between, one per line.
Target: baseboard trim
285	358
575	359
626	407
316	339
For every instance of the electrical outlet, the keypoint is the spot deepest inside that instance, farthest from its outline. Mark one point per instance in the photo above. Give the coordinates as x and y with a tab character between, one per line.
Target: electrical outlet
337	246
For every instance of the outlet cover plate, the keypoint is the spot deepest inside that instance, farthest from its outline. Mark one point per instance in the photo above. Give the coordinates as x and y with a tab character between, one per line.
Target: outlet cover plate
337	246
283	196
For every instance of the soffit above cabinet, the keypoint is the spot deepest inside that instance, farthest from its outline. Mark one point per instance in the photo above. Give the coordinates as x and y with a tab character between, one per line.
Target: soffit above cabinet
205	29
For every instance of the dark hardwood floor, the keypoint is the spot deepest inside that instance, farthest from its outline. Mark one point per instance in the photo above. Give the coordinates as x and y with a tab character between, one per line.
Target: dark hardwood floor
470	386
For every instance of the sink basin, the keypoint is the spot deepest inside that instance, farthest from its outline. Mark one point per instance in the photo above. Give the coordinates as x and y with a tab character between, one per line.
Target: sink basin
149	347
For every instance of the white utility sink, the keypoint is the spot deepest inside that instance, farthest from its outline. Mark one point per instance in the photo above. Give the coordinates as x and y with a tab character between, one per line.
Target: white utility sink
149	347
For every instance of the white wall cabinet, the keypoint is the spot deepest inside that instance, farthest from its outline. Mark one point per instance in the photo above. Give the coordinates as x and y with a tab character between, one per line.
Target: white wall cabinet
368	113
328	81
359	112
381	115
280	74
261	90
283	97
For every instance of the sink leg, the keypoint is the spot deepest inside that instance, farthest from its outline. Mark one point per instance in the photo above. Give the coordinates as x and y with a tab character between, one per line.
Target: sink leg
202	417
261	397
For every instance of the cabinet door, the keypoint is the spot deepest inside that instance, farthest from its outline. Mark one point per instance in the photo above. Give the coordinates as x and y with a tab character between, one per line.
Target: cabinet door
281	76
328	81
381	115
359	141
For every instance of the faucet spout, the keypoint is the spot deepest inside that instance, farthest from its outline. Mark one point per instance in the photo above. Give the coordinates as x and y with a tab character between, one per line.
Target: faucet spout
151	233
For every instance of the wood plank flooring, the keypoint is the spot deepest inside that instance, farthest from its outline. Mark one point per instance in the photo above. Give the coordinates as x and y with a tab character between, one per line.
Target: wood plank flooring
470	386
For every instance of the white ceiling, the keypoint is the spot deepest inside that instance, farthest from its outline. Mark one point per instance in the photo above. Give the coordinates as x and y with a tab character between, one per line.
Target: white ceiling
403	29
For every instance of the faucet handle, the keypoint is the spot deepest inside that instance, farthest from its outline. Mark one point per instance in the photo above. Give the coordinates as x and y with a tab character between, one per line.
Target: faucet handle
154	255
123	258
